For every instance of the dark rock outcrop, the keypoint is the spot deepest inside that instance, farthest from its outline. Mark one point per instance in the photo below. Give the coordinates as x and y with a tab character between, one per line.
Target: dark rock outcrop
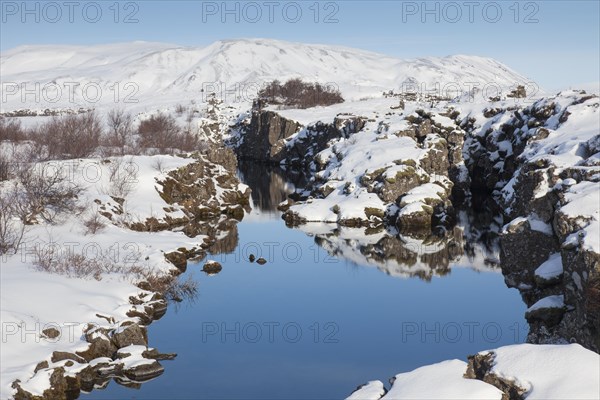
480	367
264	135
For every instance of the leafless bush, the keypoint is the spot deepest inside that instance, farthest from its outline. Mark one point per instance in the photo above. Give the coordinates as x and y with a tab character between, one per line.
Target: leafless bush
94	223
12	230
70	136
52	258
163	133
171	287
47	192
159	165
123	176
180	109
189	141
159	131
120	134
296	93
15	154
10	129
191	114
181	290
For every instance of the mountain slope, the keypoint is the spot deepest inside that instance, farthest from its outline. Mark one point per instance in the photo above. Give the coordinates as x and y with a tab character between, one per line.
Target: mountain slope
174	72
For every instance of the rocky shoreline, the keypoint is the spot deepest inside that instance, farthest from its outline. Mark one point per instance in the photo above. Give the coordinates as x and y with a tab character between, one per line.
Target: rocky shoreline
204	199
116	352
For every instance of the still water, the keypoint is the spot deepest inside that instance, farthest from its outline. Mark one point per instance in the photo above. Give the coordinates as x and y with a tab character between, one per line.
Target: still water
331	309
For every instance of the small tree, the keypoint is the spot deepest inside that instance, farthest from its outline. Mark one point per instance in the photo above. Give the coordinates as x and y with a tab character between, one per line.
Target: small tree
120	125
46	192
11	229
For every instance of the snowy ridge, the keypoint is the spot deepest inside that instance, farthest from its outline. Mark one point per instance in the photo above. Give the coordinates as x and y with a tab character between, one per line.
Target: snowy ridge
176	72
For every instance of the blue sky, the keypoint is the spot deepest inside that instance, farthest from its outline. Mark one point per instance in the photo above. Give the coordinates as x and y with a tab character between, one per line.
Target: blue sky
554	43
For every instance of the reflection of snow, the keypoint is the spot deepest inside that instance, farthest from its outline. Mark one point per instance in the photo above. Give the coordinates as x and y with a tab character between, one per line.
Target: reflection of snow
402	255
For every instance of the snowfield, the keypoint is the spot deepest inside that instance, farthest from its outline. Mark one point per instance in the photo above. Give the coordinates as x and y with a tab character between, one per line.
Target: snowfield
138	72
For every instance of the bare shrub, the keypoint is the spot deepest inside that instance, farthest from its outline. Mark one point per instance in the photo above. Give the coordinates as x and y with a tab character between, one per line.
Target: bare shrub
10	129
180	109
299	94
120	133
47	191
70	136
181	290
94	223
171	287
123	177
160	132
191	114
159	164
12	230
52	258
189	141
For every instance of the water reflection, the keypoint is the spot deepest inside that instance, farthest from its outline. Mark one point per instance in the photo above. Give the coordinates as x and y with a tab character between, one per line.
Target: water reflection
333	279
473	242
270	184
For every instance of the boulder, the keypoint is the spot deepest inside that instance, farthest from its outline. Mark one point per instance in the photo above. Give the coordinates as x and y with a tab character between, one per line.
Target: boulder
212	267
130	334
51	333
480	367
144	372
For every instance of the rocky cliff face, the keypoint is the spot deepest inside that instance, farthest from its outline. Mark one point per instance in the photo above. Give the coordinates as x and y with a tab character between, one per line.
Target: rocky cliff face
267	136
264	136
541	164
410	188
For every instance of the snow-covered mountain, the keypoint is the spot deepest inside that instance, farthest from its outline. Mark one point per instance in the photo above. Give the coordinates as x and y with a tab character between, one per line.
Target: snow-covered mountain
143	71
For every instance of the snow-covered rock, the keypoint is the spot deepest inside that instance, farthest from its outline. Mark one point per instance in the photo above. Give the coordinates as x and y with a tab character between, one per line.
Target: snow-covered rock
540	162
509	372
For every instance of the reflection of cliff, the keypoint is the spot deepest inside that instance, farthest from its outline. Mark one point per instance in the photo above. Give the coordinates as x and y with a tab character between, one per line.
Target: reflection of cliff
224	237
412	254
270	184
